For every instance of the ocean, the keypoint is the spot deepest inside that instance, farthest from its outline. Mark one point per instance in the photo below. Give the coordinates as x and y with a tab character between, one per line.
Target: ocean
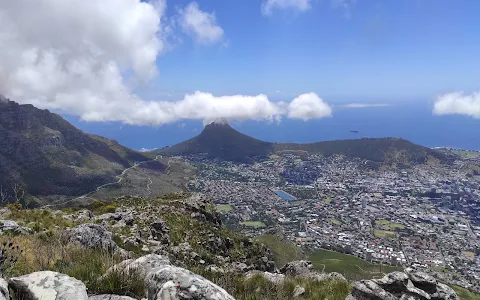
410	120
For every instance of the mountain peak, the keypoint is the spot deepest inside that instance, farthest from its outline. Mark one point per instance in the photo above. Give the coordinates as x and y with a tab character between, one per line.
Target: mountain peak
217	122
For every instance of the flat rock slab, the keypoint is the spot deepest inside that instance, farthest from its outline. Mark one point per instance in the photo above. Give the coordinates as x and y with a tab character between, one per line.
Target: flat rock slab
48	285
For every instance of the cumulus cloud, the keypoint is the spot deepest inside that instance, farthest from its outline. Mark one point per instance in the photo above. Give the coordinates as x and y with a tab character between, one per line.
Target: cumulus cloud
298	5
364	105
199	24
458	103
308	106
84	58
78	55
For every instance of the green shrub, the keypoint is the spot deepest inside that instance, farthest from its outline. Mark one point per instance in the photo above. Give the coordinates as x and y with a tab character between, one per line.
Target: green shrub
107	209
120	283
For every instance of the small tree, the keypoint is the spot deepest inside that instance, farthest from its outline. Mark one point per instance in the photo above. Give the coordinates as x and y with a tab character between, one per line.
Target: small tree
18	193
4	196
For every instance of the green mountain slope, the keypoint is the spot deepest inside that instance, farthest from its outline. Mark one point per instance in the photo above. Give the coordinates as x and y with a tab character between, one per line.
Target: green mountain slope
46	155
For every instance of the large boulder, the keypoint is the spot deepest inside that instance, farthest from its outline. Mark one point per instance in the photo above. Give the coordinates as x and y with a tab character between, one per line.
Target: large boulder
141	266
110	297
92	236
297	268
408	285
4	294
174	283
47	285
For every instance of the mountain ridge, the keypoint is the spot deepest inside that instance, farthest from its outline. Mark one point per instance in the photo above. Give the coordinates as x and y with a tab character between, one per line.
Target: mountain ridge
46	155
219	140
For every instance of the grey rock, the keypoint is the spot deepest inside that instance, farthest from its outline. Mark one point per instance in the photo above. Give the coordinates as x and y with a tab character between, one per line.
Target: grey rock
394	282
240	267
368	289
4	293
132	241
422	280
142	265
110	297
298	291
297	268
47	285
409	297
408	285
444	292
416	292
336	276
80	216
93	236
9	225
275	278
128	219
181	248
350	297
109	217
160	231
169	282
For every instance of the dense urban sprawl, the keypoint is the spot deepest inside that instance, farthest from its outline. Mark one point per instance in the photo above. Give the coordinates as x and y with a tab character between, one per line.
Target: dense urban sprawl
427	215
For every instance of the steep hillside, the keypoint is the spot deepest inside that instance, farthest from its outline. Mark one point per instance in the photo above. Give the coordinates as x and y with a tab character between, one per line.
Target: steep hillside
46	155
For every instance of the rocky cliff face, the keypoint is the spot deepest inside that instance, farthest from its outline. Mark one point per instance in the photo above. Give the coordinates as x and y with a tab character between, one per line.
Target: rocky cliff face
46	155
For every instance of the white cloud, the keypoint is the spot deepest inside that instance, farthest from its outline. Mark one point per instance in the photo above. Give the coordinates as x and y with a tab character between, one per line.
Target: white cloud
308	106
458	103
78	55
82	57
298	5
364	105
201	25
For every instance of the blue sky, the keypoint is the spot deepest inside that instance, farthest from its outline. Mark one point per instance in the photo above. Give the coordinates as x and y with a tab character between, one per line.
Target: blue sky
383	49
152	73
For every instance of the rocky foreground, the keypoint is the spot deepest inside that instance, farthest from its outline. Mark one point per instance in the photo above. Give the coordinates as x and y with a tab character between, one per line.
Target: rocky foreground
167	282
167	249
